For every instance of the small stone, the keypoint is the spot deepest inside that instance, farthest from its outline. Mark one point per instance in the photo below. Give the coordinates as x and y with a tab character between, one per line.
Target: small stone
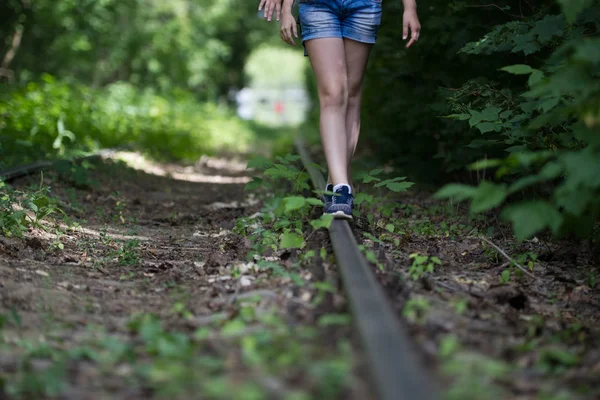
245	281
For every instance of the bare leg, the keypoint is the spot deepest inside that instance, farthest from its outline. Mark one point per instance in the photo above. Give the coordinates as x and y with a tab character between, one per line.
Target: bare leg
357	55
328	59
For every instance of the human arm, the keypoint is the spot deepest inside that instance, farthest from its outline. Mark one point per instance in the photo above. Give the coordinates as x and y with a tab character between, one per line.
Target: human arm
288	27
410	21
270	7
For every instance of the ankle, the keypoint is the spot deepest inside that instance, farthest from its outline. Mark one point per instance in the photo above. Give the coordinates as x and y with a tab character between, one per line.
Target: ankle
340	185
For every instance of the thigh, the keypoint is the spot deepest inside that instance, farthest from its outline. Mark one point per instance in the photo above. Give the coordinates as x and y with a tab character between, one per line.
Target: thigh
328	59
357	55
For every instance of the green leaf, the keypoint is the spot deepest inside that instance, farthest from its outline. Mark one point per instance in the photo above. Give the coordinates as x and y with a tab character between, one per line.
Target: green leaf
505	276
487	196
459	117
525	43
518	69
489	114
535	77
314	201
390	227
456	192
485	127
548	104
254	184
528	218
399	186
294	203
547	28
582	168
483	164
369	179
362	197
259	162
573	201
291	240
323	222
334	319
385	182
551	170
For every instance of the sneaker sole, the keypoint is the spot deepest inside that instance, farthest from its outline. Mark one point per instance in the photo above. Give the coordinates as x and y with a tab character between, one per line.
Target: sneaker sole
341	215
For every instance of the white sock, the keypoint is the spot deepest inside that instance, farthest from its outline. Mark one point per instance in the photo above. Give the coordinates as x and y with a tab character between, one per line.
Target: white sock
340	185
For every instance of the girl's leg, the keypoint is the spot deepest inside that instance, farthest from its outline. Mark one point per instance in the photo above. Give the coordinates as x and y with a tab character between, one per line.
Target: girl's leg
328	59
357	54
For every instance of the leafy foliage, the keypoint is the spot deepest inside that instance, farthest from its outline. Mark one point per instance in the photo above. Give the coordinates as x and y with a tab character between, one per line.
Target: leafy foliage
51	118
527	87
20	210
198	45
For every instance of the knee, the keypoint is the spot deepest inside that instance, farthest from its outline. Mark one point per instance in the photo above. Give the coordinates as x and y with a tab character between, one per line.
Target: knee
354	96
334	96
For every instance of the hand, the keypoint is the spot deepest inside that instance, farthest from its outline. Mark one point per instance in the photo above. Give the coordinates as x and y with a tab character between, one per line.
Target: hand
410	21
288	29
270	6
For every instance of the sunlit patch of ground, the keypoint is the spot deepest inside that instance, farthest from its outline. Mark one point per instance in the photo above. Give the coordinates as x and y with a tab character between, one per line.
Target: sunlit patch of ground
189	174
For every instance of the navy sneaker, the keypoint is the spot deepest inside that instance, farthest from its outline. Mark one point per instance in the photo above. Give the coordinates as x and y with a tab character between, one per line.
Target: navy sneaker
327	198
341	204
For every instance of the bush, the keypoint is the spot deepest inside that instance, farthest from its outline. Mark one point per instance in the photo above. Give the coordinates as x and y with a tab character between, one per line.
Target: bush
524	77
550	128
51	118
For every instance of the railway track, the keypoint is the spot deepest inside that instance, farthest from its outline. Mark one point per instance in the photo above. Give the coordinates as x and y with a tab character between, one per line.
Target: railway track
395	369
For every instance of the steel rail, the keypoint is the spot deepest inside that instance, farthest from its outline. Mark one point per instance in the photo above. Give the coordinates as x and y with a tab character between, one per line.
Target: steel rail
24	170
396	371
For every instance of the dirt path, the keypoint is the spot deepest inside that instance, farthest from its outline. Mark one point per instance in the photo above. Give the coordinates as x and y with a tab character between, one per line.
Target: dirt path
147	292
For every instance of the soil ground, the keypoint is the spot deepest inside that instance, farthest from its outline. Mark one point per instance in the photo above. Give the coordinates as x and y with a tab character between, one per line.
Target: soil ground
151	294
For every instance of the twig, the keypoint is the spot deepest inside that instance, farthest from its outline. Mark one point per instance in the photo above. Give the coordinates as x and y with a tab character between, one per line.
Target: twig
524	270
493	5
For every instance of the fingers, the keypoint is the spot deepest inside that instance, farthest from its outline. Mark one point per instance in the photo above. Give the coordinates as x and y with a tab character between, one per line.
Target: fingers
286	34
295	30
405	31
415	30
269	11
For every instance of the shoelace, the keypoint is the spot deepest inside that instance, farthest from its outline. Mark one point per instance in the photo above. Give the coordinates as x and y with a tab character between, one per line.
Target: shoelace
348	199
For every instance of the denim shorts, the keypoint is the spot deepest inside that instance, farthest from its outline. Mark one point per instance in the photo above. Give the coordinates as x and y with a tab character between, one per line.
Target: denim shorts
353	19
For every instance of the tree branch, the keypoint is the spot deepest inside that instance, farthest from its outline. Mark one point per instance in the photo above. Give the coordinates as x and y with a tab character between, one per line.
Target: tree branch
16	42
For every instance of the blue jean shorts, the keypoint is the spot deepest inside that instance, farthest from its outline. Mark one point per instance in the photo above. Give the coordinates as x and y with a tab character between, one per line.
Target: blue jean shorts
353	19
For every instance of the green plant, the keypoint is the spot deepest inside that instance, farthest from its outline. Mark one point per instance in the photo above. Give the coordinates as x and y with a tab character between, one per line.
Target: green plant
128	253
284	219
550	129
22	209
422	265
415	309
